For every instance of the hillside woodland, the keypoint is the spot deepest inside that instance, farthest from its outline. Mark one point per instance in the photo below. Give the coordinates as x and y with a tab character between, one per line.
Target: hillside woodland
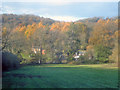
38	40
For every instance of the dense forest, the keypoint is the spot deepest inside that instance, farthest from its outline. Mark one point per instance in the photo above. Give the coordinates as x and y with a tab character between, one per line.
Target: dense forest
37	40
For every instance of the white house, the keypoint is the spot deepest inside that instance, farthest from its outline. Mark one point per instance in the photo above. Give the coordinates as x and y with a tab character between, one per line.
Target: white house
35	49
78	54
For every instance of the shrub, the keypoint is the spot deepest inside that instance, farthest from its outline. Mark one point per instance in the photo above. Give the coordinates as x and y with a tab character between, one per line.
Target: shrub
102	53
9	61
79	61
64	61
85	60
70	58
71	62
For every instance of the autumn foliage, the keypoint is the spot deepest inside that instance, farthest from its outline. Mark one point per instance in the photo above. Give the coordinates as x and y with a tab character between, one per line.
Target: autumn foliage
61	40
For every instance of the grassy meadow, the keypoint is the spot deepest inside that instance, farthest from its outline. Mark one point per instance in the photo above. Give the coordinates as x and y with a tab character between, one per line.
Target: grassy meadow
62	76
59	44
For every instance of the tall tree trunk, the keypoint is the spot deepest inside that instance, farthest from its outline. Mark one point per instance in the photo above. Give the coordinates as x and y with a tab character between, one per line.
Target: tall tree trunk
40	54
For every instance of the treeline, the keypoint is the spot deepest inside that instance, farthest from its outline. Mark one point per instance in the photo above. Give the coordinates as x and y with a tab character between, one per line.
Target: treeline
60	41
13	20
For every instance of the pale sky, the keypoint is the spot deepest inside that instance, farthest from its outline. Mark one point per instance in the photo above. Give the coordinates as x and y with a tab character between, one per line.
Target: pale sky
60	1
62	10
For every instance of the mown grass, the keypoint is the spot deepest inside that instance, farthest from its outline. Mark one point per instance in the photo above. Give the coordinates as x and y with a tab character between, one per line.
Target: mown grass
63	76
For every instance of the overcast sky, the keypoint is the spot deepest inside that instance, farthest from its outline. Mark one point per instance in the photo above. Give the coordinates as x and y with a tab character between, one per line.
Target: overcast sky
63	11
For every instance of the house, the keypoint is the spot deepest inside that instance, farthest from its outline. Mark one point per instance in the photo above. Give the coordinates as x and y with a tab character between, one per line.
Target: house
37	49
79	53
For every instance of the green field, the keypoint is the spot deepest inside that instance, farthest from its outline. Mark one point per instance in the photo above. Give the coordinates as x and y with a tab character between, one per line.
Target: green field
62	76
